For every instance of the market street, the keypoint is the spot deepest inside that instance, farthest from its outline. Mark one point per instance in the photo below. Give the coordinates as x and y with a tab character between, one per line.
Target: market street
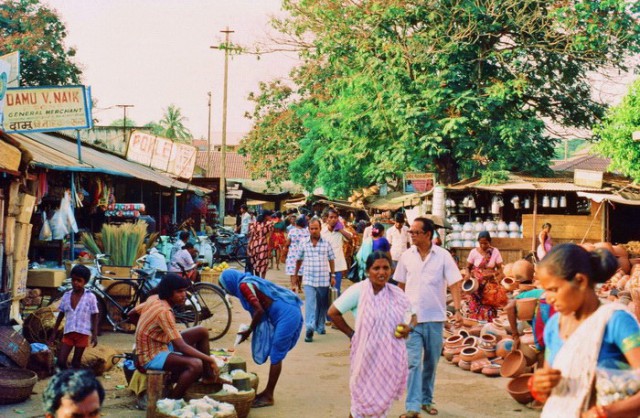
314	381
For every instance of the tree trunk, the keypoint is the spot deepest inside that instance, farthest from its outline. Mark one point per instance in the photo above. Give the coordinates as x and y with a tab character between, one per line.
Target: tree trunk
447	170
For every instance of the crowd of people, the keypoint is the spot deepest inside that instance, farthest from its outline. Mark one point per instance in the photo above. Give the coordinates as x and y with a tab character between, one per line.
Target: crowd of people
409	286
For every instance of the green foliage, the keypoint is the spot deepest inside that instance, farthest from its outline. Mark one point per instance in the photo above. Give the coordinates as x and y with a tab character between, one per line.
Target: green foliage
130	123
155	128
172	123
459	87
37	32
615	134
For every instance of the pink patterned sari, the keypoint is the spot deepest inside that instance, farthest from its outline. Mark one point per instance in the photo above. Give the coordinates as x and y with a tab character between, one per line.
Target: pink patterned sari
379	365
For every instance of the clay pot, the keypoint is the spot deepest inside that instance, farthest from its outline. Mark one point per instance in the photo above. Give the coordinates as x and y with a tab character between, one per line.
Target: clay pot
527	337
470	285
530	353
490	353
478	365
494	329
488	341
463	333
507	270
454	341
449	353
471	354
620	251
509	283
475	331
492	370
470	341
522	271
456	359
514	364
470	323
526	308
519	390
524	287
624	264
464	365
504	347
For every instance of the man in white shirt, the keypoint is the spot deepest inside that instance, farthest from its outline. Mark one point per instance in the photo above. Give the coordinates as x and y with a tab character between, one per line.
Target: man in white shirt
183	238
245	220
334	233
398	237
424	272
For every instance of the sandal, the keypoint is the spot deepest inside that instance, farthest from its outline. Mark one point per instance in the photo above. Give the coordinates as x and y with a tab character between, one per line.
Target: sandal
430	409
410	414
260	403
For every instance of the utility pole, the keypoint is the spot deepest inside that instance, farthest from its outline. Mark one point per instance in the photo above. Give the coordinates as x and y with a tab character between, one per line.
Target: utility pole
223	155
124	122
208	136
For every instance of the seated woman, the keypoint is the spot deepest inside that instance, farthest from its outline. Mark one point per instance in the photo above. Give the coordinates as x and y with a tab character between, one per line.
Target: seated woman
583	335
159	344
276	323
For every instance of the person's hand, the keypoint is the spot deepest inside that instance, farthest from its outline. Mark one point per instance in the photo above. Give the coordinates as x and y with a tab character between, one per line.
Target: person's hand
332	281
402	331
245	334
94	340
457	317
339	226
516	341
544	380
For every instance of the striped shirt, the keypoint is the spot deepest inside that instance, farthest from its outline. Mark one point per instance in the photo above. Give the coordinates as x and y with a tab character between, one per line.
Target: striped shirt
156	329
315	263
78	319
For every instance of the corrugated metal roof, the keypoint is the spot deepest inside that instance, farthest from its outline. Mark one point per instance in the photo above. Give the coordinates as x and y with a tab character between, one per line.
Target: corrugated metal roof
558	183
53	152
583	162
396	200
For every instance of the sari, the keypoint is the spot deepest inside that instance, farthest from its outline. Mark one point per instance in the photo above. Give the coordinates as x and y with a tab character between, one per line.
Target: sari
484	303
379	365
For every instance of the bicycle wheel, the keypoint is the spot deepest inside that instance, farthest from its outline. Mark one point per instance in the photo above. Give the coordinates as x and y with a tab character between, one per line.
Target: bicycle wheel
123	294
215	312
188	314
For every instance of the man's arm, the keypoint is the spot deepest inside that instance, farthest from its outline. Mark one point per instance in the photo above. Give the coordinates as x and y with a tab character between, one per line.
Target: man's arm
457	299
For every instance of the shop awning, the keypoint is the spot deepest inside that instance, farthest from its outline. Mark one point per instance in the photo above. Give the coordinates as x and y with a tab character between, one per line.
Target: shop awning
599	197
55	153
397	200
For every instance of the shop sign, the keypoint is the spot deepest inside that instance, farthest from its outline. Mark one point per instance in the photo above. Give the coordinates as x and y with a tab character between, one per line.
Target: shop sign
13	59
588	178
234	191
183	160
5	71
418	182
162	154
43	109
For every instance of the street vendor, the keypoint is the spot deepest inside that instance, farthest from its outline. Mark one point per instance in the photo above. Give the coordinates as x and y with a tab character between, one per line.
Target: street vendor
160	346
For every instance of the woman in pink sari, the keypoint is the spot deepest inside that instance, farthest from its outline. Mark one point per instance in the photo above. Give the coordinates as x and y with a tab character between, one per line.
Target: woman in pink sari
485	265
379	364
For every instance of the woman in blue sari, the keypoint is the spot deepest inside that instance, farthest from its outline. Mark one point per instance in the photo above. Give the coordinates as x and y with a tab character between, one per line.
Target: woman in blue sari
276	323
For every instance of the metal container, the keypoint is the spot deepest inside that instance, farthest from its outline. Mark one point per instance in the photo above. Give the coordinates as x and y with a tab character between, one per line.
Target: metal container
333	295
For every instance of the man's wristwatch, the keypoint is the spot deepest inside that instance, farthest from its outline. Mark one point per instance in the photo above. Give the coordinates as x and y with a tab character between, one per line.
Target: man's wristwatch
332	274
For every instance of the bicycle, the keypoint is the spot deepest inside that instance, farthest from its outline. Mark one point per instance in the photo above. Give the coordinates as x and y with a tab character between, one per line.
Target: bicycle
206	303
229	247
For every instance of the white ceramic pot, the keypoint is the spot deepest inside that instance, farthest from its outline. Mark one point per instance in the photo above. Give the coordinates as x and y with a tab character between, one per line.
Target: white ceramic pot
545	201
453	236
502	226
468	236
490	226
563	201
503	234
478	227
469	244
514	234
467	227
456	244
554	202
514	227
456	227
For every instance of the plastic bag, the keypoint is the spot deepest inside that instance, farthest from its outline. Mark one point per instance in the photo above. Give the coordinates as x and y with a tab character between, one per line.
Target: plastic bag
67	212
58	226
45	231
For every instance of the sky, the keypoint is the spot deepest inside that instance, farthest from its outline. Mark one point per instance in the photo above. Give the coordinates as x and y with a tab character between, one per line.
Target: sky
153	53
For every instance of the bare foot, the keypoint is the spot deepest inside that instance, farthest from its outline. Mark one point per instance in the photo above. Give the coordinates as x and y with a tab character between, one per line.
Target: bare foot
261	401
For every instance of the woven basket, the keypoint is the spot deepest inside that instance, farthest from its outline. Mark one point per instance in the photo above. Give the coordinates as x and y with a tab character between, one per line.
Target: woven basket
241	401
159	414
254	380
38	326
210	276
199	390
14	346
16	385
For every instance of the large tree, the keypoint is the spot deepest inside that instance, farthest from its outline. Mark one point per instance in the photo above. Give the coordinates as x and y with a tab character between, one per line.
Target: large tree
37	32
615	134
459	87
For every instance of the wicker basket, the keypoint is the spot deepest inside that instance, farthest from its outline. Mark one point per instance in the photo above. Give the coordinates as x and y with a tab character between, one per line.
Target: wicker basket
159	414
14	346
16	385
254	380
38	326
199	390
209	276
241	401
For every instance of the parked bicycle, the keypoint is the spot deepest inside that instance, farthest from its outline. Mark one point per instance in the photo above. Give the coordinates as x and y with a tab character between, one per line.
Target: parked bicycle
206	303
229	247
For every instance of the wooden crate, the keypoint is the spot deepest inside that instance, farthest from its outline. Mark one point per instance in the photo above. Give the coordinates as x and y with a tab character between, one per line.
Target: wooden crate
210	276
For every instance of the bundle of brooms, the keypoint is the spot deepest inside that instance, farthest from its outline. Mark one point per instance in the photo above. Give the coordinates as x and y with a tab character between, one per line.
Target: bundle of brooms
124	243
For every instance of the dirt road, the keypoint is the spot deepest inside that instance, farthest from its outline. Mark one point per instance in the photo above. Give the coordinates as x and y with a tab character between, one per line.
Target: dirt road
314	382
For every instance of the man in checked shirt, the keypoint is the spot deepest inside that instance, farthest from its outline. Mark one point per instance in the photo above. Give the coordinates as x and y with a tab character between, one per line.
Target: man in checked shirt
317	257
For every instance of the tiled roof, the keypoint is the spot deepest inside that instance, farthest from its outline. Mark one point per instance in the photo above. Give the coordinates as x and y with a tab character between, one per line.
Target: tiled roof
235	164
583	162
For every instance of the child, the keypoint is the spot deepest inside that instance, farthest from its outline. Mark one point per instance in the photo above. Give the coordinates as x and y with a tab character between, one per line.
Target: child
81	309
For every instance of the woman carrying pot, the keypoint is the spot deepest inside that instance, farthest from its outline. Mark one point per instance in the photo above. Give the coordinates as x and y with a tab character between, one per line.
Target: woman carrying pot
379	365
583	335
544	237
485	265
